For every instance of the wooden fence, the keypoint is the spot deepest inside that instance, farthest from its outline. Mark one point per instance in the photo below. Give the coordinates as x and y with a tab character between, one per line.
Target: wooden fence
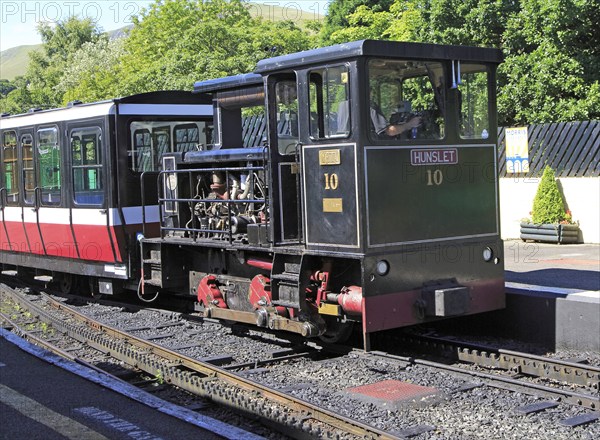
572	149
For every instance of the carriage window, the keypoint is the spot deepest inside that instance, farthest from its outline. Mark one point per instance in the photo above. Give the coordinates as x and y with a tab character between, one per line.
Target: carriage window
329	103
28	176
86	150
406	99
287	116
474	117
151	139
187	137
48	161
9	166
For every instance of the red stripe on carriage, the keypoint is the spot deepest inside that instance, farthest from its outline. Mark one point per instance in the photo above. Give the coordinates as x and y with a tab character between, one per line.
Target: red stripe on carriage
34	238
17	238
93	241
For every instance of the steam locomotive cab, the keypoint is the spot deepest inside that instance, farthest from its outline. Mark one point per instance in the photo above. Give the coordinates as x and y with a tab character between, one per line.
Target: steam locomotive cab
350	184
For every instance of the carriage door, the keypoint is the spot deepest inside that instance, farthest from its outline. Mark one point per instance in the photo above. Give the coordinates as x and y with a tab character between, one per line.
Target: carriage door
28	183
284	159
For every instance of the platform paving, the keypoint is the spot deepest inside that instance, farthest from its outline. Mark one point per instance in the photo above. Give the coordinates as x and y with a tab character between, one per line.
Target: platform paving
43	396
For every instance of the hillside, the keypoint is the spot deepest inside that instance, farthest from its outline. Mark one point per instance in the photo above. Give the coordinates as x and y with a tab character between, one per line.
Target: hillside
13	61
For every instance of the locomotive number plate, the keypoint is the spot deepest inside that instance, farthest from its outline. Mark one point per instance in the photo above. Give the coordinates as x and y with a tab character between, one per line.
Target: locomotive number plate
329	157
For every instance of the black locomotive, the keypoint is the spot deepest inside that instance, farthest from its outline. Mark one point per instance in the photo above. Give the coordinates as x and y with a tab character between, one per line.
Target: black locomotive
349	185
353	184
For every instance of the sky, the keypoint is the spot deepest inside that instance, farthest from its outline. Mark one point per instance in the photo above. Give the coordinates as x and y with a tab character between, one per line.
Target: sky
18	19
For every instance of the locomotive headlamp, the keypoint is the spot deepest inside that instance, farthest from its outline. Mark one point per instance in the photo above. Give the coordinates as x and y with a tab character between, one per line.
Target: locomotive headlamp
382	268
488	254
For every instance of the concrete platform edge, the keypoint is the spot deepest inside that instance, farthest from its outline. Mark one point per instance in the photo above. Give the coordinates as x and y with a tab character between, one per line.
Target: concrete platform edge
559	320
208	423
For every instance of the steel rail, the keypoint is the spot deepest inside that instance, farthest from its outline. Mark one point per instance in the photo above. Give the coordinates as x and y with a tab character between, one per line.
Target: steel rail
207	380
584	400
517	362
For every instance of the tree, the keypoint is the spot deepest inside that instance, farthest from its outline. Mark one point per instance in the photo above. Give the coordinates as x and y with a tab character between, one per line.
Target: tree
178	42
6	87
551	47
339	12
38	87
92	73
552	59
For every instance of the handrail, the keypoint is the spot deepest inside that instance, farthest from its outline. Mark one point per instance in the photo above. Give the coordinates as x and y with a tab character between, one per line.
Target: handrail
194	230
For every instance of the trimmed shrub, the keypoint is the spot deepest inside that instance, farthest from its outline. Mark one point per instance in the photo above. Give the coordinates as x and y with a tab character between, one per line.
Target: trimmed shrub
548	204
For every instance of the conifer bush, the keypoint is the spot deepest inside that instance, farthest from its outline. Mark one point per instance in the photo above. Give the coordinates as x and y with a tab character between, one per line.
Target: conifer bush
548	204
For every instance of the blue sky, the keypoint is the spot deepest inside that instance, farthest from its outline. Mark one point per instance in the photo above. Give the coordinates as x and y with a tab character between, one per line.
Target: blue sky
18	18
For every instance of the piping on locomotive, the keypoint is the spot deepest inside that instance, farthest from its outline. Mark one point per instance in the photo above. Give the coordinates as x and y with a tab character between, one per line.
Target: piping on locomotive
350	185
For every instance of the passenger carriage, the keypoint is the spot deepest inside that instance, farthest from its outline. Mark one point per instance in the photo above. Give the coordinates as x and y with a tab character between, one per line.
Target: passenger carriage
71	182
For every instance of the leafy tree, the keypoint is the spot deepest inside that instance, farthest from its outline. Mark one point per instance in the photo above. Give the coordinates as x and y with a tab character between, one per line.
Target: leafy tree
6	87
339	12
38	87
177	42
92	73
552	47
552	59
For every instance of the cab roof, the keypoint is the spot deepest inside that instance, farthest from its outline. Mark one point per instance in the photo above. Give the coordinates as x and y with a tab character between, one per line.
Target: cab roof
377	48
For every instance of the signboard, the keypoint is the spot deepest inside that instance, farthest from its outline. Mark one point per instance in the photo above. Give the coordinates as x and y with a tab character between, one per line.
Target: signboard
517	150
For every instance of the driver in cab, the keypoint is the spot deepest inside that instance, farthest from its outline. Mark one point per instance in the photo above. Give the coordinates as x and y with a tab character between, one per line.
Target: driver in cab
400	122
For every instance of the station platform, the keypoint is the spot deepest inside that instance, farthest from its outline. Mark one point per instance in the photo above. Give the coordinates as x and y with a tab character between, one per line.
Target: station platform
43	396
553	294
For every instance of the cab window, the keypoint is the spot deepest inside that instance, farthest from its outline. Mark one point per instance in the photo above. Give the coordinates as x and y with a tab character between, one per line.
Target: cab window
286	101
406	99
329	101
473	95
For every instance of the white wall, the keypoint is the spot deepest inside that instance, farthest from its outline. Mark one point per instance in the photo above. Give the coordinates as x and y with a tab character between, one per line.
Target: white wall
582	196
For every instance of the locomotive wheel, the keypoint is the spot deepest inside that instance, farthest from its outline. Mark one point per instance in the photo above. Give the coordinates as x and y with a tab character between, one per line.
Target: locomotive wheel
337	332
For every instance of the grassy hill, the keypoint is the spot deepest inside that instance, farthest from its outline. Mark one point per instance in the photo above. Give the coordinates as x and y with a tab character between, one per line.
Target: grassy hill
13	61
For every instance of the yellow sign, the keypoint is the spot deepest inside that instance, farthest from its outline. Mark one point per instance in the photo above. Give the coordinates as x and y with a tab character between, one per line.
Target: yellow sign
517	150
332	205
329	157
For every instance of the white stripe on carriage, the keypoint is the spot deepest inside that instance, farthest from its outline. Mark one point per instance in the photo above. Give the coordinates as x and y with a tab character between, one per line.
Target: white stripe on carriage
58	115
166	109
81	216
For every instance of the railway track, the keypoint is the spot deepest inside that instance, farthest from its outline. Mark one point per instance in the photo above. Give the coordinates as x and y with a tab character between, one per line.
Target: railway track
295	416
261	384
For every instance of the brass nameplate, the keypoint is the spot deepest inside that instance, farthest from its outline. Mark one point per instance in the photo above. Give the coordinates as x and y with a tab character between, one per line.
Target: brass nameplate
332	205
329	157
